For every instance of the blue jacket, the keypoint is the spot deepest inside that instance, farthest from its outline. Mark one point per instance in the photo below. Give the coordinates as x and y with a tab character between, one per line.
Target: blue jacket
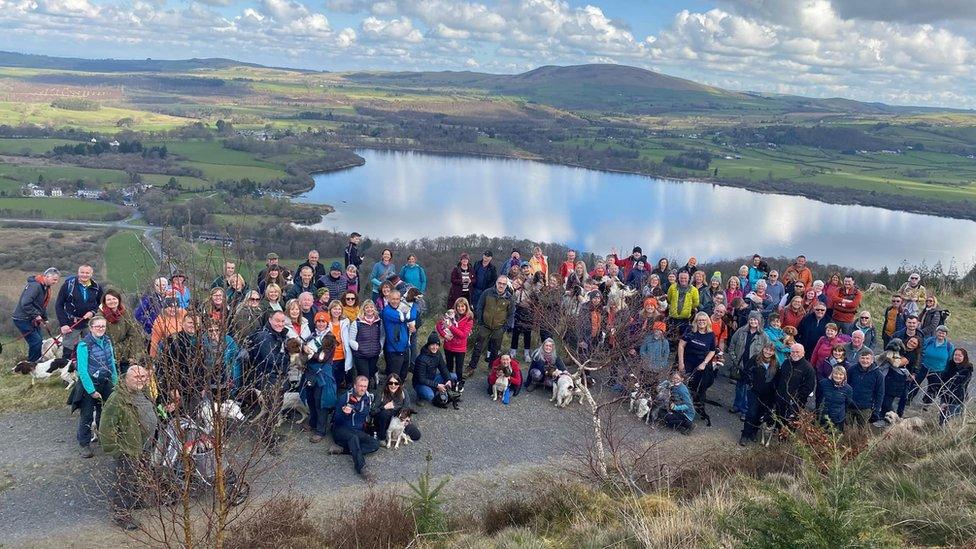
868	386
935	357
149	307
833	401
776	336
656	351
484	278
96	361
360	411
268	359
33	301
415	276
74	300
682	401
395	329
378	276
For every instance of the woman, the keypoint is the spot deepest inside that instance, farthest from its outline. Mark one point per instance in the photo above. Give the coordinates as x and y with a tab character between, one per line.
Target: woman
696	349
662	268
271	303
366	342
704	294
743	277
382	270
733	289
936	354
930	317
833	284
654	288
247	316
220	353
151	304
522	291
318	382
544	358
352	279
865	324
831	338
216	307
913	352
97	376
672	279
834	397
322	300
577	278
656	349
350	306
236	291
894	367
462	280
168	323
637	277
385	289
455	329
393	399
275	275
761	370
958	373
296	324
774	331
680	414
177	284
794	312
810	299
121	328
342	359
414	274
837	357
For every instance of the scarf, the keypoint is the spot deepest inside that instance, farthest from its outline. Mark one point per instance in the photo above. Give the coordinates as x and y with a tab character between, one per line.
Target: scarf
112	316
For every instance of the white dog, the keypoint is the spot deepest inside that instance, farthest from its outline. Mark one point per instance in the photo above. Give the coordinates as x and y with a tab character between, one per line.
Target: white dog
395	433
644	409
51	349
565	388
289	401
228	410
906	424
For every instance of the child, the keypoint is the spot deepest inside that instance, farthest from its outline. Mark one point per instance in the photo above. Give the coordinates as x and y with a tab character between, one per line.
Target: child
834	397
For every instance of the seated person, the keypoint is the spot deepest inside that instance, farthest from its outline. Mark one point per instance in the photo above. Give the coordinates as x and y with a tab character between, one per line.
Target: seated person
391	401
680	414
515	382
430	375
544	358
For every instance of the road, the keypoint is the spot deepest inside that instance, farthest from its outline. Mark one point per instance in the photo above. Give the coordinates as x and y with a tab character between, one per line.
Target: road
150	233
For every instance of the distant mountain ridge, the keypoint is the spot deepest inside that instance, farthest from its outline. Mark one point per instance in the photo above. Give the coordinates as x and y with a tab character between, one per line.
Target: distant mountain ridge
32	61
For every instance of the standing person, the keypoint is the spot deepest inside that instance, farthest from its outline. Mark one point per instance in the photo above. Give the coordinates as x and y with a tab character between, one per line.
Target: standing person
223	281
304	282
868	384
577	278
895	369
272	264
430	374
177	283
398	327
352	278
798	271
351	254
463	280
522	295
568	266
485	275
97	375
381	272
168	323
662	269
656	349
696	349
335	281
638	277
306	304
78	300
794	313
865	325
455	329
834	398
268	371
932	316
775	289
514	262
342	358
936	354
831	338
274	274
746	343
958	373
774	331
796	380
813	327
393	399
733	289
761	370
414	274
349	426
120	327
894	320
366	342
247	316
758	270
297	325
682	304
31	311
627	263
853	348
319	390
494	313
216	308
844	302
312	262
912	292
350	306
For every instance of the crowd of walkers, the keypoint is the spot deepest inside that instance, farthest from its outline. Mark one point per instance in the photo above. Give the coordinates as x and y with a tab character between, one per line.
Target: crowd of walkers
783	338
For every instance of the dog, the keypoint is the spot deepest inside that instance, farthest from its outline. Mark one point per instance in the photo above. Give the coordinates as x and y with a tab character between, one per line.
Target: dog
905	424
644	409
296	359
395	434
42	370
565	388
766	433
70	375
289	401
227	409
501	382
51	349
618	295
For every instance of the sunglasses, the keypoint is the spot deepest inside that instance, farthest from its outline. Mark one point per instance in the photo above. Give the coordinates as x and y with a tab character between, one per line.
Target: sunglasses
393	383
350	299
821	310
865	318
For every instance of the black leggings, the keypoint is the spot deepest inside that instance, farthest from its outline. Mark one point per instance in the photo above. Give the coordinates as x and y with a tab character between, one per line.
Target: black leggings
367	367
455	363
525	334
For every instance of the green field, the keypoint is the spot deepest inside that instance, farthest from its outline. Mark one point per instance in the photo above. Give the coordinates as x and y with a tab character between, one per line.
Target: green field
56	208
31	146
103	120
128	264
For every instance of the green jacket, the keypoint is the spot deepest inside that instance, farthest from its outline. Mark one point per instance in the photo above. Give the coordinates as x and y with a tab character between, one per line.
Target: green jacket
120	431
688	307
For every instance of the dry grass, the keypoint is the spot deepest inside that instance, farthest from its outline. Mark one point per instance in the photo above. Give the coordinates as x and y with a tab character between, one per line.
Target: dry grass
961	323
16	393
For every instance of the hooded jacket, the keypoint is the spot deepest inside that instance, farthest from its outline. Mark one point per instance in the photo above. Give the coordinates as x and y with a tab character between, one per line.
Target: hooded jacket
414	275
496	365
833	401
75	300
682	310
33	300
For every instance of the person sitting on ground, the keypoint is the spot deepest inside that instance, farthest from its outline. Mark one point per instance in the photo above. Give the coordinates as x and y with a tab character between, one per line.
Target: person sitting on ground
391	402
834	398
680	413
349	426
868	383
515	382
430	375
544	358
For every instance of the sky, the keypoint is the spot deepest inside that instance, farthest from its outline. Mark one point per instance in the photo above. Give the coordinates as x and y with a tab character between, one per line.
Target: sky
908	52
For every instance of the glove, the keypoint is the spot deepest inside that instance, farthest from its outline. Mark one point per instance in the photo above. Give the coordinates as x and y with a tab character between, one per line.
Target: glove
38	322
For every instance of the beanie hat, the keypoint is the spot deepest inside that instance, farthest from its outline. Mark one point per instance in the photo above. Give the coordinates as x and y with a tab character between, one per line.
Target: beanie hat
637	250
336	266
659	326
757	315
321	292
650	301
433	338
717	275
942	328
321	316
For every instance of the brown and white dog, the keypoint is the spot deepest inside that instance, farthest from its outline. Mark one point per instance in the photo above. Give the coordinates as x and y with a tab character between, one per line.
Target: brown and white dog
44	370
395	433
501	382
296	359
253	398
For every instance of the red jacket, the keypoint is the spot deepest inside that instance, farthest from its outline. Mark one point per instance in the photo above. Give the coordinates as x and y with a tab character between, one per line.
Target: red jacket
625	264
790	318
515	381
461	331
844	304
565	268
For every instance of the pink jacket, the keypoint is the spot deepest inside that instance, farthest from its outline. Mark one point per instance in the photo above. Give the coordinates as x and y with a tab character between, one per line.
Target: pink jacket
458	343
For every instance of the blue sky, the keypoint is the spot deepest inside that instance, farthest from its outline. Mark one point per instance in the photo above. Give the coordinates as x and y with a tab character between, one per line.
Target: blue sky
895	51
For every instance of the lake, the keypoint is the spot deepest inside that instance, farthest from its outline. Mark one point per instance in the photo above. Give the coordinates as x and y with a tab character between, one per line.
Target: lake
407	195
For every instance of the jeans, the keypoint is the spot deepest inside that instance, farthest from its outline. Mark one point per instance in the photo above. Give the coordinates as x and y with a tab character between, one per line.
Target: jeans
91	409
525	334
425	392
32	335
741	402
396	363
126	496
890	395
455	363
759	411
357	443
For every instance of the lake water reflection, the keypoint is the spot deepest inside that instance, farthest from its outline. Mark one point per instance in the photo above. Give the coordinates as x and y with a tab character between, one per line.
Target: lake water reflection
405	195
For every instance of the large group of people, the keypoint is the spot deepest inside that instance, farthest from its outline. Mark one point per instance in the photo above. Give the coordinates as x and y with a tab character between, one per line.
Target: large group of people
782	337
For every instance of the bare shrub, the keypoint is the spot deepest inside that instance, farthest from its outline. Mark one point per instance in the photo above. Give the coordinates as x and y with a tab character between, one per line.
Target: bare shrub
382	520
280	523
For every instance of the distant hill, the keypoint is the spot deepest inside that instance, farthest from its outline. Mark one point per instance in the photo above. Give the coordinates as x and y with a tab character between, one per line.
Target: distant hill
26	60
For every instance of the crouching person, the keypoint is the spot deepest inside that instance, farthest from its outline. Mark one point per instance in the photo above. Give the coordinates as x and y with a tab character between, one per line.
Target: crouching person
349	426
430	374
129	423
502	365
392	401
680	414
544	359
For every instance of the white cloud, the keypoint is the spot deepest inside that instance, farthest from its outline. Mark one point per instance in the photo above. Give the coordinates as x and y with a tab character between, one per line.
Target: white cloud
395	29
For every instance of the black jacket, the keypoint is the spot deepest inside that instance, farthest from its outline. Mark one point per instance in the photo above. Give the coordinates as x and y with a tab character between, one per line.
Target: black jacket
794	383
763	380
268	360
352	255
809	332
74	300
957	383
33	301
426	366
319	271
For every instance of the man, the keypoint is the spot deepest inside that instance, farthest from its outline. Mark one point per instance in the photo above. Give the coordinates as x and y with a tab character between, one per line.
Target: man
813	327
97	375
272	262
305	303
867	381
430	375
223	281
318	269
335	281
304	283
775	289
352	254
493	315
268	371
78	300
348	428
911	329
798	271
129	421
31	311
795	381
912	292
397	329
852	350
627	263
514	261
484	277
844	303
682	303
567	266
